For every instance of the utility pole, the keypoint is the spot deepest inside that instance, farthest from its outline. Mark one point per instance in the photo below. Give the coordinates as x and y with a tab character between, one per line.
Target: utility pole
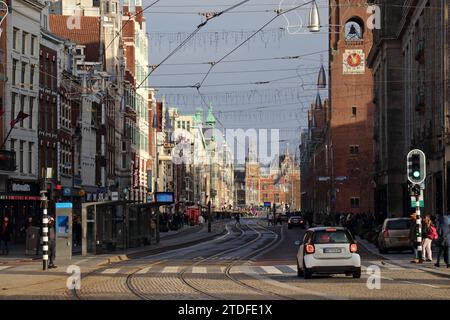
44	206
416	173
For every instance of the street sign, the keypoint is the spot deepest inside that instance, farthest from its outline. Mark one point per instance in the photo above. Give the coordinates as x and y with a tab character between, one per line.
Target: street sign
115	196
267	204
416	166
164	198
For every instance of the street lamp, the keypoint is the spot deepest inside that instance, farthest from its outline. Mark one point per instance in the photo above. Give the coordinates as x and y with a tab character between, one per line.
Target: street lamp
314	18
155	126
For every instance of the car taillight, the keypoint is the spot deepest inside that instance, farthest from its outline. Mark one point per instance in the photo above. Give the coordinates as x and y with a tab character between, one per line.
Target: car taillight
353	248
386	233
289	221
310	249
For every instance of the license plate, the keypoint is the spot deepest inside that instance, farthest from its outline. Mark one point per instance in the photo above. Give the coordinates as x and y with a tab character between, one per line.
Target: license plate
332	250
295	221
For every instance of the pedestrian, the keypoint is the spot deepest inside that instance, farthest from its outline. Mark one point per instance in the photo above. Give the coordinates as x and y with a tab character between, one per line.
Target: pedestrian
5	235
51	242
238	219
428	235
443	230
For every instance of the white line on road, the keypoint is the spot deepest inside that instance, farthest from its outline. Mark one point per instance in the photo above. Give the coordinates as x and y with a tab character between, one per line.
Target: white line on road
142	271
199	270
4	267
271	270
170	269
110	271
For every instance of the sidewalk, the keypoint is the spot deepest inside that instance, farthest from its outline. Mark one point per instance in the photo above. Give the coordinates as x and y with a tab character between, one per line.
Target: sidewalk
168	241
404	259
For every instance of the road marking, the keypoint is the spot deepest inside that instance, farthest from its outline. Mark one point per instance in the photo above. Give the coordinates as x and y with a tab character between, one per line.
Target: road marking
271	270
386	265
142	271
4	267
198	270
170	269
110	271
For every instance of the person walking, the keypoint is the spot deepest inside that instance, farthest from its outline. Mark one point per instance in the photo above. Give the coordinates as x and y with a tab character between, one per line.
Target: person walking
5	235
428	235
443	231
51	242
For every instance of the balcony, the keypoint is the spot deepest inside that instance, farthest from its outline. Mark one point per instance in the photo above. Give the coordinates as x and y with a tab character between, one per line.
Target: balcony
7	160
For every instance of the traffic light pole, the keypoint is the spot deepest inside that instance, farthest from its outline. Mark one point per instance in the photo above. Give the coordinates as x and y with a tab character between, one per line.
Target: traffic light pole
418	227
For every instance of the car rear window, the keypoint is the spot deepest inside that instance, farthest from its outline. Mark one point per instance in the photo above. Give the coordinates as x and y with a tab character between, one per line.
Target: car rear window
338	236
398	224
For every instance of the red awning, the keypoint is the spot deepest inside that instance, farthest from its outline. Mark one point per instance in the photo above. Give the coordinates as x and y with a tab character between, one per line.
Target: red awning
21	198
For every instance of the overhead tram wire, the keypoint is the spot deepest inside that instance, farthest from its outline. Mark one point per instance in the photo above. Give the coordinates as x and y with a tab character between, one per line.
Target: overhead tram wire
250	37
200	26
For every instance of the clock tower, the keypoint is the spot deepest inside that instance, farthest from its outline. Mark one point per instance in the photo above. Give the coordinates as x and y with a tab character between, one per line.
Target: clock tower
351	95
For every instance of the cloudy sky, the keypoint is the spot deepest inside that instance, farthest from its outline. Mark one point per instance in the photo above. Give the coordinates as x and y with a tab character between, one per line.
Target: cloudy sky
257	86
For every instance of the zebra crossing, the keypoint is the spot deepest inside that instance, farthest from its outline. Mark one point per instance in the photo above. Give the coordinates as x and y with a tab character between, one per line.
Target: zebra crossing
276	270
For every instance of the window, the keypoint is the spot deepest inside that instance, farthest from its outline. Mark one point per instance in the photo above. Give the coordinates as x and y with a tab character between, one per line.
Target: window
14	70
354	111
276	198
354	150
178	124
354	30
22	77
31	76
183	124
13	145
15	37
188	125
30	157
24	41
21	156
354	203
22	107
30	123
33	45
13	105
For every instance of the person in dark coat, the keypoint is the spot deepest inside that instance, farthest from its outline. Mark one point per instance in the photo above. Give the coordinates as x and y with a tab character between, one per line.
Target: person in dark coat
51	242
443	230
5	235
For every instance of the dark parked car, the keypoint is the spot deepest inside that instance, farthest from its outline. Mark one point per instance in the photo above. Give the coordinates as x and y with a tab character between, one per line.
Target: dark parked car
296	221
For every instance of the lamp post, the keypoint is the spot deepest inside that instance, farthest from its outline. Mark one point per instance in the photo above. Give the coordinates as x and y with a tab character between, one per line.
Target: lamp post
155	126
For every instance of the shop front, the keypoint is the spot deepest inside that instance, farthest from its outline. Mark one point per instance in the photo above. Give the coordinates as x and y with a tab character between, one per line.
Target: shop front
19	203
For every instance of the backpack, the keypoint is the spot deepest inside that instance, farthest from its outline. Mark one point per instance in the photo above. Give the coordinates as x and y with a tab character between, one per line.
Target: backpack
432	234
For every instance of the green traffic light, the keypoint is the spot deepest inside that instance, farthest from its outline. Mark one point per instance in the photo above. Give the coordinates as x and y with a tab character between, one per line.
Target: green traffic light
416	174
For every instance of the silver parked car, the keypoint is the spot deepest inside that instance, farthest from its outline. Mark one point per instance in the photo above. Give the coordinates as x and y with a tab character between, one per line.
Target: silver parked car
395	235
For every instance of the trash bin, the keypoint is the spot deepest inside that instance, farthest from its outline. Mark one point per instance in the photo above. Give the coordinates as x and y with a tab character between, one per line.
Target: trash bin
32	241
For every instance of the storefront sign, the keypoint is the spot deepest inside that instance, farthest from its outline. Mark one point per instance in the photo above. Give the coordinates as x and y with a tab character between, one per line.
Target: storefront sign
23	187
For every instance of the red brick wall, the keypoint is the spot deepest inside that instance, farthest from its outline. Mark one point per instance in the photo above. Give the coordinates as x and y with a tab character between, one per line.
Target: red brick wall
347	91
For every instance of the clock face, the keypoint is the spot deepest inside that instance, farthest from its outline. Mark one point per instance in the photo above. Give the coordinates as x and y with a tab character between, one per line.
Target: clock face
354	62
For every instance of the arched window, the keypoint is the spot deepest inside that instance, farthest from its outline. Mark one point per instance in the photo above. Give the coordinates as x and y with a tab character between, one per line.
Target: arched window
354	29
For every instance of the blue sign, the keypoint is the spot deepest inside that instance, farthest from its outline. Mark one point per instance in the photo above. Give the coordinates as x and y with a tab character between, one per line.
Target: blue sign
67	192
165	197
267	204
64	205
62	226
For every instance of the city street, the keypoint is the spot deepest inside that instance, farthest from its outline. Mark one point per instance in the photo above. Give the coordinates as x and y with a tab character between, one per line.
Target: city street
250	261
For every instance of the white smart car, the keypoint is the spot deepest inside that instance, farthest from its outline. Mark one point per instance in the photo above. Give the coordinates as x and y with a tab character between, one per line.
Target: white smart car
328	250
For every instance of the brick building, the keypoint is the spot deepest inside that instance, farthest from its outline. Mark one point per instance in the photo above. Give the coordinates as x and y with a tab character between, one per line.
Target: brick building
351	119
410	70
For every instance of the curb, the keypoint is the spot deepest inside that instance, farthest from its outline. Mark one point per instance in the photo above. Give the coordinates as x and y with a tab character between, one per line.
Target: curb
148	252
429	270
